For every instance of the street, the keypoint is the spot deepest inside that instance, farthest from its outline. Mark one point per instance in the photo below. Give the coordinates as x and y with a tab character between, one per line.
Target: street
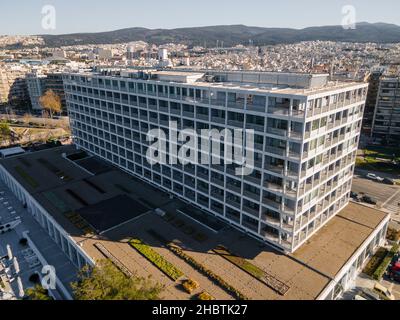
387	196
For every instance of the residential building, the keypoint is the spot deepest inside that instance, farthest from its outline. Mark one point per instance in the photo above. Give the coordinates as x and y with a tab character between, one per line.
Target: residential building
374	81
13	89
39	83
36	87
306	137
75	209
386	122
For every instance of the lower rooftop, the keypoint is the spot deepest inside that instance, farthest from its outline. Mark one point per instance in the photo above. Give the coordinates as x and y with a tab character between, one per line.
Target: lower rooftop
103	208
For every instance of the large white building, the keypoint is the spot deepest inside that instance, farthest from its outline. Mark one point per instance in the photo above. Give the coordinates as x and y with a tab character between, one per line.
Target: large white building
306	137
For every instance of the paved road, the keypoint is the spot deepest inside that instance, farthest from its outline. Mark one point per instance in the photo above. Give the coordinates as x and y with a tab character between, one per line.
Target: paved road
387	196
393	286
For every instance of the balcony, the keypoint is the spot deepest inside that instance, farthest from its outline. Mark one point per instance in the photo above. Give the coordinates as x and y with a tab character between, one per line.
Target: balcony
217	102
276	169
188	114
235	123
256	107
272	203
278	132
278	111
236	105
256	127
233	203
202	116
218	120
217	181
234	188
276	150
251	195
273	186
251	211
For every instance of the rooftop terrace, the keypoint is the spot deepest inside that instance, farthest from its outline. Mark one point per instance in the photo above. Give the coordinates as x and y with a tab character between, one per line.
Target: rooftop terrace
263	82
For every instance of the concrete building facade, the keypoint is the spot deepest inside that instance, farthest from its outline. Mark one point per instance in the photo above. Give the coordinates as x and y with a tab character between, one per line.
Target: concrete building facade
386	122
306	138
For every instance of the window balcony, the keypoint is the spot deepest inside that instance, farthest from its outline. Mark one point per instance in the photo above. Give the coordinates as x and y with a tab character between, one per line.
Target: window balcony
278	132
272	203
276	150
251	211
218	120
273	186
252	195
276	169
236	105
278	111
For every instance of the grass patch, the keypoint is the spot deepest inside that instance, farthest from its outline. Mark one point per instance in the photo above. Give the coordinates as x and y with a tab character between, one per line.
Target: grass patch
375	261
380	159
199	267
28	179
207	272
156	259
253	270
381	269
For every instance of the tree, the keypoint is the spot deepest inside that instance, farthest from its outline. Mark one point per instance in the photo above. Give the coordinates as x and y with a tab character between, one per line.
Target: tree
38	293
5	131
105	282
51	102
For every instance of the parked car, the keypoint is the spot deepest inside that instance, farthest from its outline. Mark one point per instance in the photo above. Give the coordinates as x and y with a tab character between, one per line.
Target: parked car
384	292
359	297
354	195
374	177
389	181
369	200
394	272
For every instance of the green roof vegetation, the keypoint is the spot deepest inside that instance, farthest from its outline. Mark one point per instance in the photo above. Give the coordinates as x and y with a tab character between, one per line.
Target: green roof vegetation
156	259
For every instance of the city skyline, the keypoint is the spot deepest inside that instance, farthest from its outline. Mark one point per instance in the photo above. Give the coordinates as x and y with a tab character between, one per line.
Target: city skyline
25	17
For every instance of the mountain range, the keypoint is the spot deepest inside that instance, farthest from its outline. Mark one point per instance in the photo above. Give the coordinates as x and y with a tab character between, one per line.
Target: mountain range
232	35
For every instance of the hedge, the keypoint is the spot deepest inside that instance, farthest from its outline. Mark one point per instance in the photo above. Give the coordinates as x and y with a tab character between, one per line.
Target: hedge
380	271
210	274
158	260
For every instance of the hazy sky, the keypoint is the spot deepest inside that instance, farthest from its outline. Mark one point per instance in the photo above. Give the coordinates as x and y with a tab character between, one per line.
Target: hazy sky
25	16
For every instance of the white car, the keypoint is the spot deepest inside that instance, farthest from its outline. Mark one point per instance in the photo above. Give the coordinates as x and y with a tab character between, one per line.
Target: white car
374	177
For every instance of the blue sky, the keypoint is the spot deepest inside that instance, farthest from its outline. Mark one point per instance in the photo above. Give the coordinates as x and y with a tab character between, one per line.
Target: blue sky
25	17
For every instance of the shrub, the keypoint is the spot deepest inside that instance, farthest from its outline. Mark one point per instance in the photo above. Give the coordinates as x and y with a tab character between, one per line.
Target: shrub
380	271
393	234
158	260
205	296
190	285
375	261
207	272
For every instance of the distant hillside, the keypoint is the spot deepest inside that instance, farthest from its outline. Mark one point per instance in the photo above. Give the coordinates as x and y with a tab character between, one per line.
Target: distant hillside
233	35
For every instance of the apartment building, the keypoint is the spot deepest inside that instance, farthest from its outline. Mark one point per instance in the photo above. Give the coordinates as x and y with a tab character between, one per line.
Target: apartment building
374	81
386	122
306	137
13	87
38	84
